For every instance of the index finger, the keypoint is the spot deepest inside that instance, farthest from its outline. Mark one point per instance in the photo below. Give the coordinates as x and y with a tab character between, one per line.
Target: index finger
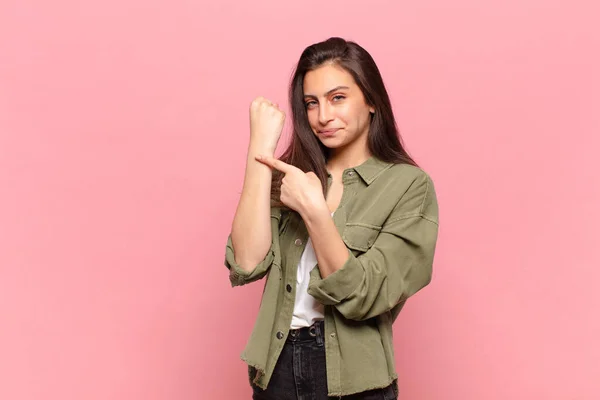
275	163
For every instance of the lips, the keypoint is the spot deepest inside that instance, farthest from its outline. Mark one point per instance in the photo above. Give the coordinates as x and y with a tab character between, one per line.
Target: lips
328	132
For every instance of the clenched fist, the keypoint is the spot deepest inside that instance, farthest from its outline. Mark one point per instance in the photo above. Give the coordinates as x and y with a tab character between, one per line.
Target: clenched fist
266	123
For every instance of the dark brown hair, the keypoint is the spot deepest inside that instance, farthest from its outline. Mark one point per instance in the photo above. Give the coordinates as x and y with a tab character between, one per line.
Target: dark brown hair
305	151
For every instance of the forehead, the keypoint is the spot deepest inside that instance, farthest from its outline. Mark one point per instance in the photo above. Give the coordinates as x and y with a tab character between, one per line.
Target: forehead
318	81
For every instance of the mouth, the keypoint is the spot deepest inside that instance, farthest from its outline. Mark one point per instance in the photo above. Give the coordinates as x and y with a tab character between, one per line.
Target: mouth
328	132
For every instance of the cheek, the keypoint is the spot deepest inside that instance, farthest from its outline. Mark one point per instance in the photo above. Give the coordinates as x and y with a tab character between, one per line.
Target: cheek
352	116
313	118
345	114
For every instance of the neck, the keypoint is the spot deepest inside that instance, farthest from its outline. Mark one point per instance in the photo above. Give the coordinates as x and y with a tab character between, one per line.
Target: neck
348	157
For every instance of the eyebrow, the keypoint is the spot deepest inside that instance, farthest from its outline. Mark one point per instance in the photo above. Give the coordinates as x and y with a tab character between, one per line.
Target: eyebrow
335	89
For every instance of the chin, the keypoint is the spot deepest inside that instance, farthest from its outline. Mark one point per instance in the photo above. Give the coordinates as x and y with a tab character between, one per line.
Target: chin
331	141
333	144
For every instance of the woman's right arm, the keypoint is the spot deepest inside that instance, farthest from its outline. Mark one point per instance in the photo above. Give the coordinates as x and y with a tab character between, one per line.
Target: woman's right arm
251	236
251	228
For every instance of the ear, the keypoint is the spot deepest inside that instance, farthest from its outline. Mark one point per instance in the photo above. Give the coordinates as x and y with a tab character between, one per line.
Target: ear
372	110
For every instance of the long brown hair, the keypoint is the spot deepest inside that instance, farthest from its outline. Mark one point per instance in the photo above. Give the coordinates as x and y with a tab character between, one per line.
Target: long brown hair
305	151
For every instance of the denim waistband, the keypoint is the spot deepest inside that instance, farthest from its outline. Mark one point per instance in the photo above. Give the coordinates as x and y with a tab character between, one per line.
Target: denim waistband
315	332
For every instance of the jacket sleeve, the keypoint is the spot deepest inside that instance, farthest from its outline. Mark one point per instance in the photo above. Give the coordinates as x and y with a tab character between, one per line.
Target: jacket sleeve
396	266
239	276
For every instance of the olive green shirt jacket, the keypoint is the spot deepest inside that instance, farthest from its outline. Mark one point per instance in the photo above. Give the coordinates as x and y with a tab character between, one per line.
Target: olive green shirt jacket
388	219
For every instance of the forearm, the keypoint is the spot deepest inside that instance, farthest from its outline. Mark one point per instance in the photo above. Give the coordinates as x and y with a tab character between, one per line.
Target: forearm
251	228
330	249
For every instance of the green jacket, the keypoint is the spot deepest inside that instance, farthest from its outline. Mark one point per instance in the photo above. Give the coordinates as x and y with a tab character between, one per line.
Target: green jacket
388	218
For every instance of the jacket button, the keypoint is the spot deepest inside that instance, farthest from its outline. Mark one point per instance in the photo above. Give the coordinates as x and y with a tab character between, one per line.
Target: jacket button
298	242
279	335
288	287
350	173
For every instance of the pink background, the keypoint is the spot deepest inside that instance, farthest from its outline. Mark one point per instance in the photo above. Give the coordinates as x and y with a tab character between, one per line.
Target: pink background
123	132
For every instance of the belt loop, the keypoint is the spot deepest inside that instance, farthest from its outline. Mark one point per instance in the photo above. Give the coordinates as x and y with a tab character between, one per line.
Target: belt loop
319	332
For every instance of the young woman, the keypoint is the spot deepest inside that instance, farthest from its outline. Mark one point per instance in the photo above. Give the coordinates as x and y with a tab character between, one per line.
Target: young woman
344	225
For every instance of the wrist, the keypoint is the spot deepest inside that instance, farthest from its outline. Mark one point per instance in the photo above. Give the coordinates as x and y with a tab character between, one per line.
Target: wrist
264	149
314	211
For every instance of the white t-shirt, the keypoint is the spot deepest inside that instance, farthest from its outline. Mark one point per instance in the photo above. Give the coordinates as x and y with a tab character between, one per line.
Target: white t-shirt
307	310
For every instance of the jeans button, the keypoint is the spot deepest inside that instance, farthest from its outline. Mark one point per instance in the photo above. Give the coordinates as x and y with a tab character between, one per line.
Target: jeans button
288	287
279	335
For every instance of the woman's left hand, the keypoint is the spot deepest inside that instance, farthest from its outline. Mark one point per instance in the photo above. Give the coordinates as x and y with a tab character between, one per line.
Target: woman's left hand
300	191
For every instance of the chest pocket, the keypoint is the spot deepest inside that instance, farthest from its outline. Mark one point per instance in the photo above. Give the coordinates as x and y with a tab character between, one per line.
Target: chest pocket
360	237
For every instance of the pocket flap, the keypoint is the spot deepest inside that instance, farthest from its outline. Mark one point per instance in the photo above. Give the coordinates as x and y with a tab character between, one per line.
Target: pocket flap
360	236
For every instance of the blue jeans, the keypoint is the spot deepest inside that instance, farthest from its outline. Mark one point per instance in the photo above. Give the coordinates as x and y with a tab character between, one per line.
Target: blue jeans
300	372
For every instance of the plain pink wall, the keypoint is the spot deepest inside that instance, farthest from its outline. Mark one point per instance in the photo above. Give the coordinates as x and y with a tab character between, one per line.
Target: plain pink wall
123	132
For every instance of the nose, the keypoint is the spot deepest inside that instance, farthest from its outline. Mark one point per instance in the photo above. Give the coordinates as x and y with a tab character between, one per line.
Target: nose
325	113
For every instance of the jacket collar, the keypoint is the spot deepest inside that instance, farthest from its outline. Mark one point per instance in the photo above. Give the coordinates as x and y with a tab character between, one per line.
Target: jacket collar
370	169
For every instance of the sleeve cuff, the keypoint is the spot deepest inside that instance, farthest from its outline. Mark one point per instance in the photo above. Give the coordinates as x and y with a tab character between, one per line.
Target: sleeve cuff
339	285
239	276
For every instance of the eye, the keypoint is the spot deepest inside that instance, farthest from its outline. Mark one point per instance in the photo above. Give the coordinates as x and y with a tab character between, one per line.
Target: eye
338	97
310	104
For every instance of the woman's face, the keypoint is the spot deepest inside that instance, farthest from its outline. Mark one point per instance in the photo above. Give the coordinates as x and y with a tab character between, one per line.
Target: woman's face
336	108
